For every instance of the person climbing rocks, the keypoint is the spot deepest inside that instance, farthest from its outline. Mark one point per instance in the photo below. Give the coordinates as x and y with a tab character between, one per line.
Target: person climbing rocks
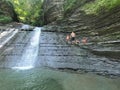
84	40
68	38
77	41
72	37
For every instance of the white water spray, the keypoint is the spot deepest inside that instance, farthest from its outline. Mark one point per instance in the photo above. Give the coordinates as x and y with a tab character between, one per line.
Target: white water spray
30	55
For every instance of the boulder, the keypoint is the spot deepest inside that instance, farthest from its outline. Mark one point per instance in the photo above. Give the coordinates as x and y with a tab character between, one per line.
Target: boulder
27	27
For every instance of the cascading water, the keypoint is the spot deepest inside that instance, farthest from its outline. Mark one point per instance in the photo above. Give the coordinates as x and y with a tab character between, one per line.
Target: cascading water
22	54
30	54
11	33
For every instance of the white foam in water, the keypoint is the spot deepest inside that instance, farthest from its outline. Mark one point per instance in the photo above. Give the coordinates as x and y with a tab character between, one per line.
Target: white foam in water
30	55
23	68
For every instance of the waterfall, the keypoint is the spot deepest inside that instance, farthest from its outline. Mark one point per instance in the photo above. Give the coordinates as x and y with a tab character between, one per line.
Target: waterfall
31	52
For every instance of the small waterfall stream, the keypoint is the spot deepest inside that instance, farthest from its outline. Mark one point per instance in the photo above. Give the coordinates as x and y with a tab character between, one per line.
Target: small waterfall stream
31	52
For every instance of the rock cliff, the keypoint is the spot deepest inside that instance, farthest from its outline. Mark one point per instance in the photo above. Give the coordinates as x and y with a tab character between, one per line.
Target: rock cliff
53	10
105	24
102	29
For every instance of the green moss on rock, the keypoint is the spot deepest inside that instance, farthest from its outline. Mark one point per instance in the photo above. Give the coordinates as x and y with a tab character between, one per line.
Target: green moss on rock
5	19
98	5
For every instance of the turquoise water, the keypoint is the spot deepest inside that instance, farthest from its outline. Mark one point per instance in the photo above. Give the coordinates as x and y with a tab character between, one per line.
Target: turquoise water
47	79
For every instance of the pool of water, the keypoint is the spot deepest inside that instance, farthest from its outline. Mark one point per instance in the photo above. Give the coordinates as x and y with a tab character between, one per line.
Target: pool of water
47	79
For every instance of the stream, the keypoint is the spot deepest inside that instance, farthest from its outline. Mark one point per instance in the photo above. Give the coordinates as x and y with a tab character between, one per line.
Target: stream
42	60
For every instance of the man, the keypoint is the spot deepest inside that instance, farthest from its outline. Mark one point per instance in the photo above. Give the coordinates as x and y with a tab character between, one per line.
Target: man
72	35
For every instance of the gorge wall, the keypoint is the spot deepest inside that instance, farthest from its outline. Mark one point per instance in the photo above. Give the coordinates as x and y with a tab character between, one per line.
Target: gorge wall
101	29
105	24
53	10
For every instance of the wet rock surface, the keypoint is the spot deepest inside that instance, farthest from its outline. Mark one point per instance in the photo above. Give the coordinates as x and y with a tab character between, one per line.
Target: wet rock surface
34	49
101	30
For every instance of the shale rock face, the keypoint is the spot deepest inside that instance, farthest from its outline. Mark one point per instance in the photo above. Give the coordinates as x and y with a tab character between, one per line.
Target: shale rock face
7	9
102	30
105	25
53	10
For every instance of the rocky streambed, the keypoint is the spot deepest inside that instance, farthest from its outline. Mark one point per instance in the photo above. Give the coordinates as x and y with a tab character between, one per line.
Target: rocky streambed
98	57
41	59
49	49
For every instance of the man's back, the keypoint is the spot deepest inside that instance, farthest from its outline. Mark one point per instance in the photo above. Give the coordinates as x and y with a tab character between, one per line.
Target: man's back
73	34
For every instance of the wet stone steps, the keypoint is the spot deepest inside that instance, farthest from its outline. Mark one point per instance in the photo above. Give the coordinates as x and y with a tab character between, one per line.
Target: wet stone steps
49	49
58	54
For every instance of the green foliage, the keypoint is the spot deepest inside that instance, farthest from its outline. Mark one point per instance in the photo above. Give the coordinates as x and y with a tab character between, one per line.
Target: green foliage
68	4
1	12
28	11
5	19
97	5
71	5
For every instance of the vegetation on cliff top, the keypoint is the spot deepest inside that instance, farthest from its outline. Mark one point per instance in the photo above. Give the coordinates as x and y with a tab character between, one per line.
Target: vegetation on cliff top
92	6
6	12
100	5
29	11
71	5
5	19
68	4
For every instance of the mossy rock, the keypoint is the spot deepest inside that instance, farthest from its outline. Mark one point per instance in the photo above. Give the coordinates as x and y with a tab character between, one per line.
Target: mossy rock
7	13
5	19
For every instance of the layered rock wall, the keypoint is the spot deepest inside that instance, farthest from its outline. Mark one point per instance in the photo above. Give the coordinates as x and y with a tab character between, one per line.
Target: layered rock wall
104	25
53	10
102	29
